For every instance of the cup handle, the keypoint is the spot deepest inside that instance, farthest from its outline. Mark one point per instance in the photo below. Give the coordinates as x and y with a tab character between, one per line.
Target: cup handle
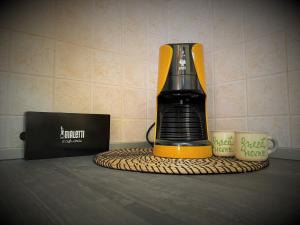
274	147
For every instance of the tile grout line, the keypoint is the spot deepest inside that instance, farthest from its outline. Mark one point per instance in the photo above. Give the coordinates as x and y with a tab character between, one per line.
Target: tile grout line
222	117
254	78
121	52
92	59
54	65
70	79
12	30
243	11
123	36
93	83
147	85
212	17
9	76
288	90
53	77
92	71
266	75
257	116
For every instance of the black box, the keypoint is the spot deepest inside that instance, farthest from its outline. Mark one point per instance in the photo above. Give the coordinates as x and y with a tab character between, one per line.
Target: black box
50	135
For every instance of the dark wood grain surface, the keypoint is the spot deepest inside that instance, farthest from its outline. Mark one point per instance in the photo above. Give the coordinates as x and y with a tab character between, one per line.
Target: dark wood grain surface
76	191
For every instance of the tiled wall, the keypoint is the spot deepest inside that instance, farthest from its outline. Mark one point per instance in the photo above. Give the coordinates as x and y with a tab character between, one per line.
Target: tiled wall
100	56
256	68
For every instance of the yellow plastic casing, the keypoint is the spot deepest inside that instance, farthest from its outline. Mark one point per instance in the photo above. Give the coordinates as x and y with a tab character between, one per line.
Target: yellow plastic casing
165	57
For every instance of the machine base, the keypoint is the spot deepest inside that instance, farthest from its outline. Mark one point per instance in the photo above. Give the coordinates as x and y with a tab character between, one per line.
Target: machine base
182	151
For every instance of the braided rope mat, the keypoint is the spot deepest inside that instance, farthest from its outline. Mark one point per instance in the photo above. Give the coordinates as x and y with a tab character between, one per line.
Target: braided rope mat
142	160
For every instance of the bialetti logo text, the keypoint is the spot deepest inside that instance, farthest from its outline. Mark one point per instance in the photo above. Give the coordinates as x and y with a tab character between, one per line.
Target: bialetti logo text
182	61
71	136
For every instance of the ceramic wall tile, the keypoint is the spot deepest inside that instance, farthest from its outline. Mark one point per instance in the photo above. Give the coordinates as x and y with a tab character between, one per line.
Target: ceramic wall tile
36	17
15	125
74	21
157	21
263	17
135	103
210	102
108	35
228	23
293	32
134	130
186	14
5	39
235	124
3	92
293	36
204	36
108	26
211	124
151	104
108	10
135	28
294	91
229	64
29	93
32	54
107	68
266	55
295	131
178	21
198	10
115	131
135	72
277	127
267	95
134	13
3	133
72	96
11	153
208	67
154	43
108	100
10	129
152	76
293	54
72	62
135	42
230	99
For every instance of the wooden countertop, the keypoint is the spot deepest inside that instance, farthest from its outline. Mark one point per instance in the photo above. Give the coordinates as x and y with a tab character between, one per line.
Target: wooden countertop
76	191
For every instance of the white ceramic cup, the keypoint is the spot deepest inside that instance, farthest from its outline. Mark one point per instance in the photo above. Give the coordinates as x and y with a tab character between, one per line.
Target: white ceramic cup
254	146
223	143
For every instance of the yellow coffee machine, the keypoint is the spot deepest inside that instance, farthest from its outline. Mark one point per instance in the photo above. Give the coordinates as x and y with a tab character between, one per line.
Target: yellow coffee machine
181	106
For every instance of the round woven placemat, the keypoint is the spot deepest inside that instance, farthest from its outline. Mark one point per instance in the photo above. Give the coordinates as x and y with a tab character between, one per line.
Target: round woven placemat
142	160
